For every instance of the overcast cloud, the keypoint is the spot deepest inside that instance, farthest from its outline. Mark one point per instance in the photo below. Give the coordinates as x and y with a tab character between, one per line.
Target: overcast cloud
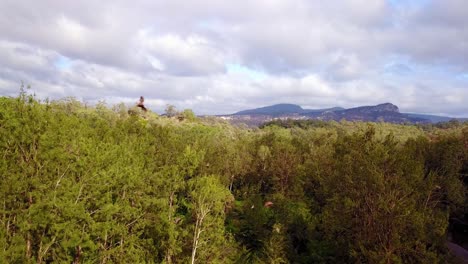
224	56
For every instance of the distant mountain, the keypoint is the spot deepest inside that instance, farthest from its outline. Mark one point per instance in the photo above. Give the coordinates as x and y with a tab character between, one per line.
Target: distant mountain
380	113
386	112
284	109
273	110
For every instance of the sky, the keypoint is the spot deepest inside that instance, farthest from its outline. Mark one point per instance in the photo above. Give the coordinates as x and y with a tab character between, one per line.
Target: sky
220	57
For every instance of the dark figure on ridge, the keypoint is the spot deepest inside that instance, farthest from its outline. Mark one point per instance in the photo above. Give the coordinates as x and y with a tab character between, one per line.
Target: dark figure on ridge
140	103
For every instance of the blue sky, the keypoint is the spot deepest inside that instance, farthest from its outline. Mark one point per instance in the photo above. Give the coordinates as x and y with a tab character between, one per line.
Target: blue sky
245	72
224	56
62	63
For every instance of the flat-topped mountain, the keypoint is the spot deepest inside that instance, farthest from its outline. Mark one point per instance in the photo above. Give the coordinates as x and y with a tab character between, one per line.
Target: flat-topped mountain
387	107
278	109
385	112
282	109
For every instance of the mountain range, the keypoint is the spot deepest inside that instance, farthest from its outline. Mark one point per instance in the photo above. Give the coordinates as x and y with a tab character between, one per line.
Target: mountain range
386	112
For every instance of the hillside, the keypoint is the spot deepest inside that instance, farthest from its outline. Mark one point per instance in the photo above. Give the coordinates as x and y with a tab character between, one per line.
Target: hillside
284	109
380	113
386	112
279	109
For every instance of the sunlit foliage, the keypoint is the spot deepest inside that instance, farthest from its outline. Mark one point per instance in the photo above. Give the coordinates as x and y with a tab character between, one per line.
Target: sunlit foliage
96	184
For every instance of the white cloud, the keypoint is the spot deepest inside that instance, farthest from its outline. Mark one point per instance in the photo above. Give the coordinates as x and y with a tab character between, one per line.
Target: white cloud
25	58
192	55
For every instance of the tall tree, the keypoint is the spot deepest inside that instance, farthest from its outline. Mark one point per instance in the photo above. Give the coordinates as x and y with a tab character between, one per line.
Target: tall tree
208	198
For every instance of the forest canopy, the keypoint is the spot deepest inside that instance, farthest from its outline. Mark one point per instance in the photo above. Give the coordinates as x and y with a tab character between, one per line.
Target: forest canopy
105	184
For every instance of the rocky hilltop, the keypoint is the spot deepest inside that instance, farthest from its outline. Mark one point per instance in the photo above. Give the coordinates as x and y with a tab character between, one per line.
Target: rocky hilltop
380	113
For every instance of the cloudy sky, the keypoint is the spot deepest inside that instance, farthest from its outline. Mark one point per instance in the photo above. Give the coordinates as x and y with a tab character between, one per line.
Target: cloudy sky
216	56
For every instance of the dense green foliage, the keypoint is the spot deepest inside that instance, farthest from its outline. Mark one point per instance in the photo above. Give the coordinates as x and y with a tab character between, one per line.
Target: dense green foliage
97	185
